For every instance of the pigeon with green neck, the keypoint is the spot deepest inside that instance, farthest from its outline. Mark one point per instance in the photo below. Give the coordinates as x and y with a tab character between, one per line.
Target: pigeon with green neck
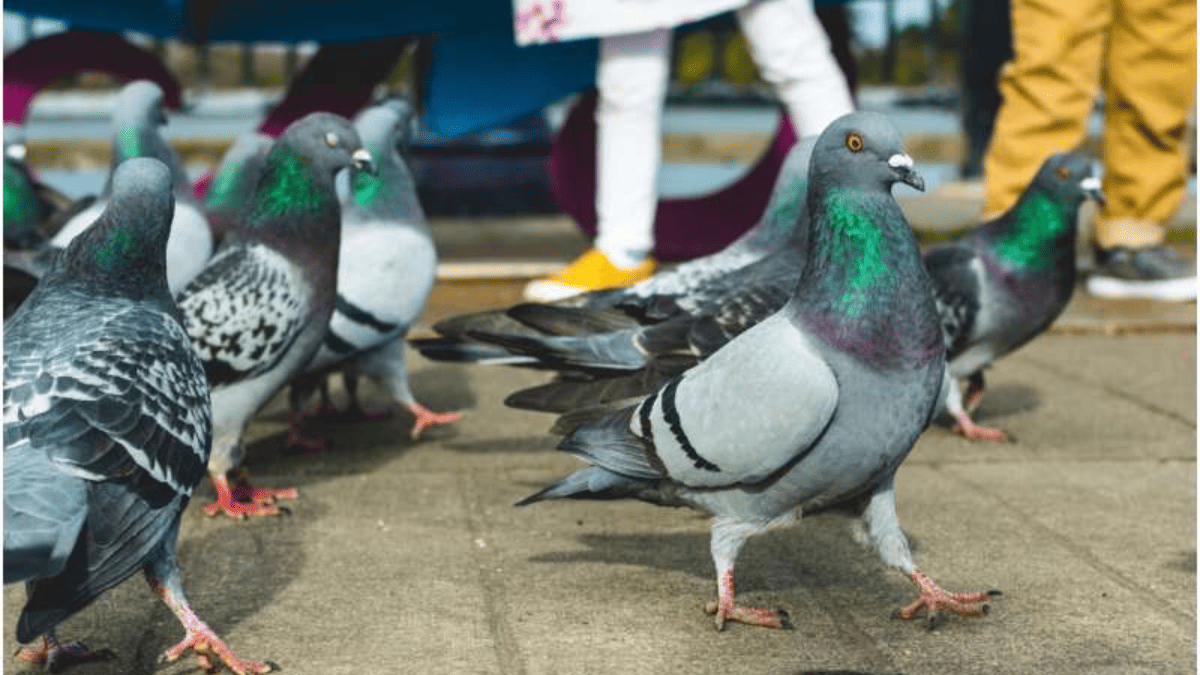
258	311
386	270
1005	282
107	427
811	410
136	126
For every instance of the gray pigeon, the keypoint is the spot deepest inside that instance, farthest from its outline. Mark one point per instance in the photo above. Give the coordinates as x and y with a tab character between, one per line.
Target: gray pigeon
810	410
683	288
1009	279
258	312
136	122
107	426
233	182
386	269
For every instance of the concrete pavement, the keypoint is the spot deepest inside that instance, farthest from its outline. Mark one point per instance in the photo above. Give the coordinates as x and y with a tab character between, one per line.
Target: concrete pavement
409	557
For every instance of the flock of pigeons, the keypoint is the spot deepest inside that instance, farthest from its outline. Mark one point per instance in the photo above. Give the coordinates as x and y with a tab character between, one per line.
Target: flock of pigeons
789	374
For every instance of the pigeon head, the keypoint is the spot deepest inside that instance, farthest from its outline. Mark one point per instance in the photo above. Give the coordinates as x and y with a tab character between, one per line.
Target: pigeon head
298	173
392	119
1038	233
864	150
328	141
126	248
1069	178
385	130
137	118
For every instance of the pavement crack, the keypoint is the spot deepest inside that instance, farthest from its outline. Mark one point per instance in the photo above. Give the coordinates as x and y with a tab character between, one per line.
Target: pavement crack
487	558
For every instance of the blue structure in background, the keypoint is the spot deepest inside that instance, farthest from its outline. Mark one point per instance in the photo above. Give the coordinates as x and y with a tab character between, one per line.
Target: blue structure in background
478	77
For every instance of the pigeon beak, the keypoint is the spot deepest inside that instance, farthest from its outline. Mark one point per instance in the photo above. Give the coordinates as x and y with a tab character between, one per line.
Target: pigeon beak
902	167
362	160
1091	188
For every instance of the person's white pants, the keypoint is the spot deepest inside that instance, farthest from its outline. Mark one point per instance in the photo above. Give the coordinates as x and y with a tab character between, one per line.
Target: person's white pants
792	53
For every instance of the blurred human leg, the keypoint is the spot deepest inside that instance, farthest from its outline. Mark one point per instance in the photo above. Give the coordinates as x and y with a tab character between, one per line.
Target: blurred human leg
632	82
793	54
1047	91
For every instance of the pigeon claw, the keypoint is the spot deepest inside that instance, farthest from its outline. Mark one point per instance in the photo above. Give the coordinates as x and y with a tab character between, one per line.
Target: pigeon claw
212	654
752	616
243	500
968	429
55	657
934	599
426	418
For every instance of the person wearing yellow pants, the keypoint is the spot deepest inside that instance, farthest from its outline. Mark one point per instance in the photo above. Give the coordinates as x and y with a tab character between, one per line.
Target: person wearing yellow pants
1142	55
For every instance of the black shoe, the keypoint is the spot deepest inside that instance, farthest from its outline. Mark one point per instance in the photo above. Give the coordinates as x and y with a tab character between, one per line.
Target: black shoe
1153	273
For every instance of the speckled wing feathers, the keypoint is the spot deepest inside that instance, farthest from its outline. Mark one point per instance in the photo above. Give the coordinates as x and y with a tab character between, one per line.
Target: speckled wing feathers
244	312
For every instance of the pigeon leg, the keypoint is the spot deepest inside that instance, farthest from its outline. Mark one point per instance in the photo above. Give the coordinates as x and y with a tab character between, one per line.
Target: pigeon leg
298	440
965	426
356	410
728	536
935	599
724	609
298	395
211	651
975	387
55	656
243	500
427	418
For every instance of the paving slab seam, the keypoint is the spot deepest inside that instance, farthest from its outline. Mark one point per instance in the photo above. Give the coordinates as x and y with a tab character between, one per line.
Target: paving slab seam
1140	402
1186	622
487	561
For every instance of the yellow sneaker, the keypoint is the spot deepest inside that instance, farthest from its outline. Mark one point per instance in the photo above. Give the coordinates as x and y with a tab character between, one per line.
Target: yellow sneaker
590	271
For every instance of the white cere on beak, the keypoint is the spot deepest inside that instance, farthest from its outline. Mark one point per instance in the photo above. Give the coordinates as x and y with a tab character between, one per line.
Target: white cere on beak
362	156
897	161
16	152
331	139
1090	183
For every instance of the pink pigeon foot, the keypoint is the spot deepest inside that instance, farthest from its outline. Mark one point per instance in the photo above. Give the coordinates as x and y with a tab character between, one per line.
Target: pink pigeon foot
967	428
211	651
54	656
427	418
724	610
934	599
245	501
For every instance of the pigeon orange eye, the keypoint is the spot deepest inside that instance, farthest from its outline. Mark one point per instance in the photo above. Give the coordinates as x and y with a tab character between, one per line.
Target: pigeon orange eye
331	139
854	142
1063	172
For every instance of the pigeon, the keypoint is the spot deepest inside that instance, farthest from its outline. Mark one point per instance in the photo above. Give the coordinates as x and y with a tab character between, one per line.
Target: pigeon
234	181
386	269
136	121
650	301
32	212
107	427
812	409
28	204
258	311
1009	279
